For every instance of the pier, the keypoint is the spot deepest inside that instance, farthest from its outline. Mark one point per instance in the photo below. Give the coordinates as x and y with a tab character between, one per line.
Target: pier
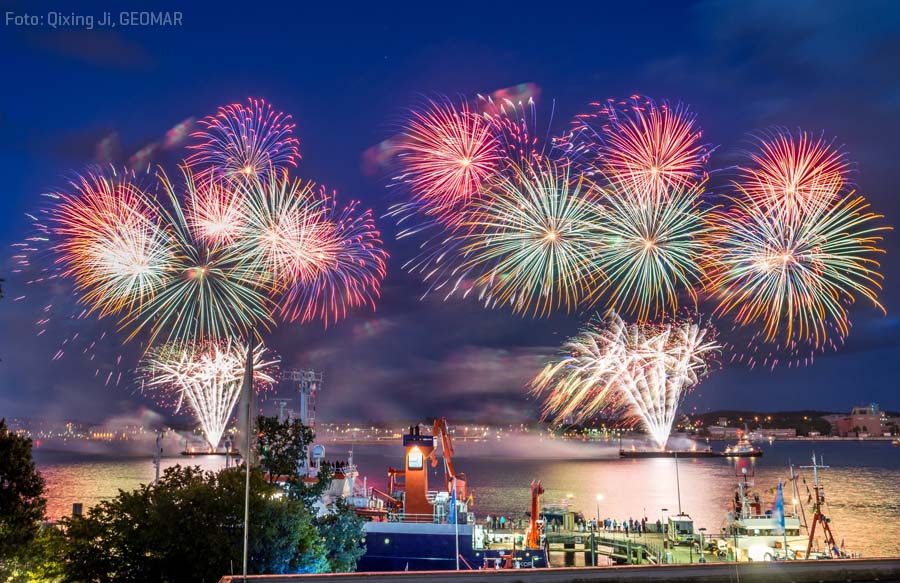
836	570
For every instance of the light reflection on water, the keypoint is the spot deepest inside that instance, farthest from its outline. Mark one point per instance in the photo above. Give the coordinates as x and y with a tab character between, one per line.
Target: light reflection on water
862	484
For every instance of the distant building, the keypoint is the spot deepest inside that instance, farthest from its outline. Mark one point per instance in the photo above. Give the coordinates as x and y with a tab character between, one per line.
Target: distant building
719	432
722	422
861	422
774	432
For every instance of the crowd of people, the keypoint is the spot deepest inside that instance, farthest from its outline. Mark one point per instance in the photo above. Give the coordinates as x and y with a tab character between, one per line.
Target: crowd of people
631	526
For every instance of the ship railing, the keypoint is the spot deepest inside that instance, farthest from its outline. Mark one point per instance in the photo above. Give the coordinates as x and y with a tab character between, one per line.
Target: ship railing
421	518
415	518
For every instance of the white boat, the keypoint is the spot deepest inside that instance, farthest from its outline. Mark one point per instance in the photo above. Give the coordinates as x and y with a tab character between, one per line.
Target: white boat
754	534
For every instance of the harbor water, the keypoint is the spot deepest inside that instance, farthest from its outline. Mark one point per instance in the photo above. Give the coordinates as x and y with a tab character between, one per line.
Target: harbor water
862	482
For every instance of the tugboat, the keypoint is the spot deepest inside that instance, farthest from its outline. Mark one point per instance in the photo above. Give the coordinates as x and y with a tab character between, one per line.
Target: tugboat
424	529
743	448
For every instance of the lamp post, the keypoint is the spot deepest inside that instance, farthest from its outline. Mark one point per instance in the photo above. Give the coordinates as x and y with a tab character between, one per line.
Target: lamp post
599	499
702	555
662	528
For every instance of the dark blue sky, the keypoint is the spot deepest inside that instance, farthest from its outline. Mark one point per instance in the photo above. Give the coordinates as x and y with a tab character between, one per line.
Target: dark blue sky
346	74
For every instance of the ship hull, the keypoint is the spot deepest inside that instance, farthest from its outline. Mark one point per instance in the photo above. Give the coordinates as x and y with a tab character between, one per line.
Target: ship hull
392	546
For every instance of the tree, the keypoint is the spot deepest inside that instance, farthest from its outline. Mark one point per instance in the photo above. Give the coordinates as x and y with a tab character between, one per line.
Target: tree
189	527
342	532
282	448
22	502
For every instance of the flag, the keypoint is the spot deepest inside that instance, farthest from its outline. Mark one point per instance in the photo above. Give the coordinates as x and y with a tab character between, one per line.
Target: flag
778	513
452	513
247	411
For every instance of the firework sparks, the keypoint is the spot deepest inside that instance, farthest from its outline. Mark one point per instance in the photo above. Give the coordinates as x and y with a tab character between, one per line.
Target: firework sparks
791	175
216	210
533	239
287	237
352	262
795	275
110	243
651	250
641	371
211	293
208	376
447	153
246	140
650	149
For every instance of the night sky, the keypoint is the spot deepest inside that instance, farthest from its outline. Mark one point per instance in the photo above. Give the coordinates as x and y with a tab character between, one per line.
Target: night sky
347	74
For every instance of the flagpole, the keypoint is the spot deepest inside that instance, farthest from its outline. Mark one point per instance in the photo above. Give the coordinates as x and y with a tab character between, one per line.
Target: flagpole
248	382
783	527
456	523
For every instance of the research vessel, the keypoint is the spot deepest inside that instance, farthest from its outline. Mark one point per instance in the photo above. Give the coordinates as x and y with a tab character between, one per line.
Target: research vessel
411	527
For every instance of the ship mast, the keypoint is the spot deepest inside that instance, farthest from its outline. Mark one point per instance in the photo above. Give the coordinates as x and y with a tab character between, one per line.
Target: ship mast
818	516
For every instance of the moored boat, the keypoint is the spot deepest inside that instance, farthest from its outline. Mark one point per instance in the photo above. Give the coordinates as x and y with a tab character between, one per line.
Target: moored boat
423	529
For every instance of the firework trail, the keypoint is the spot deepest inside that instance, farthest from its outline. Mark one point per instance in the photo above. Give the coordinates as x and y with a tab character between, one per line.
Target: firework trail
532	241
791	174
246	140
652	250
447	153
638	371
646	148
795	275
208	376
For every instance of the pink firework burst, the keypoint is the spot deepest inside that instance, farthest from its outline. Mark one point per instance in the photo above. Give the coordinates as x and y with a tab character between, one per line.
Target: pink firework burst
352	267
794	173
647	148
249	140
447	153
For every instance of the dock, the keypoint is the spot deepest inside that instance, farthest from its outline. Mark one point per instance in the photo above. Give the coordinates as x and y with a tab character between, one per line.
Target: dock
617	548
827	571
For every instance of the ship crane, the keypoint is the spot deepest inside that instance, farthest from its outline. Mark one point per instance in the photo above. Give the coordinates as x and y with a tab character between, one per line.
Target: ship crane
446	443
533	539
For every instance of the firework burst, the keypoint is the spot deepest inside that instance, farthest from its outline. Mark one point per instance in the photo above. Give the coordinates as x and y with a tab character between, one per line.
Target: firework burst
794	174
649	149
795	275
249	139
287	237
211	293
110	243
208	377
651	250
351	264
638	371
531	242
216	209
447	153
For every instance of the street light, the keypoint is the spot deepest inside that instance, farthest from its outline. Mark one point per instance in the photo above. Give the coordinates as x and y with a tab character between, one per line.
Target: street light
702	555
662	528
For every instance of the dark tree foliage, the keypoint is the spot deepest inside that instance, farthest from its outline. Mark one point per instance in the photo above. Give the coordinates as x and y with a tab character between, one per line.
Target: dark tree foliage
282	448
189	528
22	502
342	531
